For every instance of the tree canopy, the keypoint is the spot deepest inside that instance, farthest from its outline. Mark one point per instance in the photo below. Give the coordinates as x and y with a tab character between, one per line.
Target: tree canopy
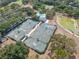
14	51
71	7
25	1
62	46
5	2
50	14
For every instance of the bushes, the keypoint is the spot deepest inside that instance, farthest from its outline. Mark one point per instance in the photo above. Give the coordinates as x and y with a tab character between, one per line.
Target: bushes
38	6
25	1
29	11
11	16
62	46
70	7
14	51
5	2
14	6
50	14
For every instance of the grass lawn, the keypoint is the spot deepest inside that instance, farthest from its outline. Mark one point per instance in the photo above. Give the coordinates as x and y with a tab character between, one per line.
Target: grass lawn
77	0
78	25
19	2
67	23
78	22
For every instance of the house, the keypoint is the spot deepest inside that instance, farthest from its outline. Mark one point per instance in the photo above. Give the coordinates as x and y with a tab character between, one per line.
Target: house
41	17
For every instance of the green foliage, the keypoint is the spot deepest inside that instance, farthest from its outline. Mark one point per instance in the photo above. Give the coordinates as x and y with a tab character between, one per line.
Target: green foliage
62	46
14	6
25	1
33	1
10	15
50	14
61	53
29	11
39	6
67	23
9	22
71	7
14	51
5	2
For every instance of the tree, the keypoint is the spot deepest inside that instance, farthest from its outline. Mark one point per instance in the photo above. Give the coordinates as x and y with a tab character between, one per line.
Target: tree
62	46
29	11
14	6
38	6
64	6
25	1
14	51
50	14
33	1
2	12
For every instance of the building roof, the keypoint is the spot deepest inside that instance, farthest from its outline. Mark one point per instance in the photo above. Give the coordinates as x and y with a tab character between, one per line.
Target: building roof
42	17
20	32
38	14
39	39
